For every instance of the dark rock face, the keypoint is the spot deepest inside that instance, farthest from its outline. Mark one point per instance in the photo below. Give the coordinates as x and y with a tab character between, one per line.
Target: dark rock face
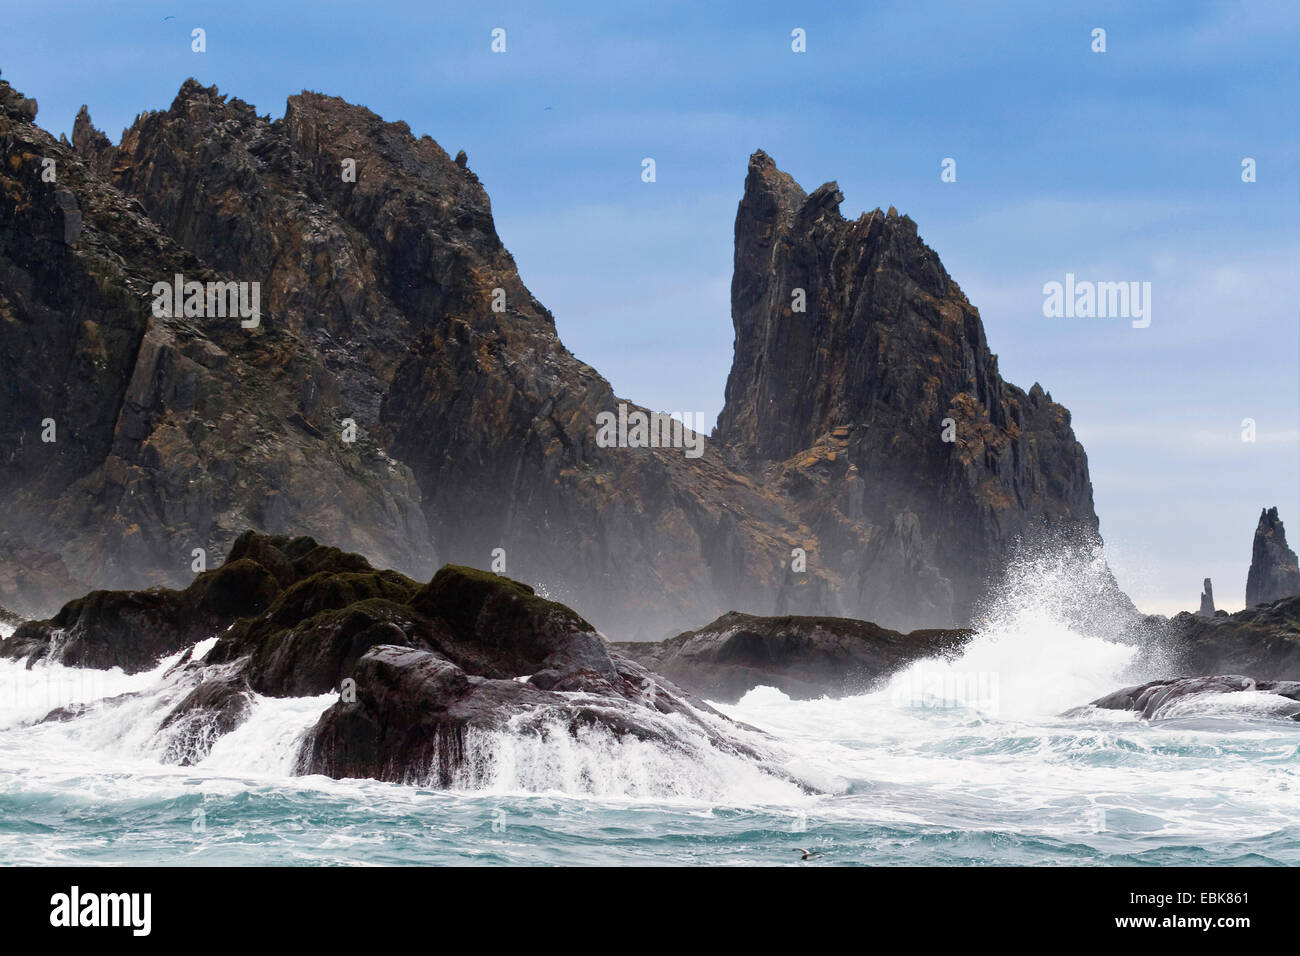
1207	600
34	581
803	657
9	618
473	427
859	390
1274	573
1153	699
177	433
1261	641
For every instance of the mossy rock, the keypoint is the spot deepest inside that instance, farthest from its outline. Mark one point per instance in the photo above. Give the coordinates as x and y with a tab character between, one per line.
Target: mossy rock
266	550
501	628
459	596
313	656
322	559
239	589
327	591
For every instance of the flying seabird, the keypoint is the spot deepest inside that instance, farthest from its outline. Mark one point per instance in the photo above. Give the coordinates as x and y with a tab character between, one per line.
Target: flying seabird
807	854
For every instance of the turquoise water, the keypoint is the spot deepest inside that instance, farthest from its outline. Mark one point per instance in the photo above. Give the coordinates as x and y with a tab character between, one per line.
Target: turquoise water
287	825
907	785
967	762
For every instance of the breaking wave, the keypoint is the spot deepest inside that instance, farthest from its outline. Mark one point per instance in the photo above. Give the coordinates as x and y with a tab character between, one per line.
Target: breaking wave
965	760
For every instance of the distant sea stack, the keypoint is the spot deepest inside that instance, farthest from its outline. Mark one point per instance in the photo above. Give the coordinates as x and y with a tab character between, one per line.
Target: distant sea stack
1274	573
1207	600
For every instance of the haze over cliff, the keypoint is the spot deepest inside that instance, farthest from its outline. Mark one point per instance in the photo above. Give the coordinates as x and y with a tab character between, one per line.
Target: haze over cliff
870	461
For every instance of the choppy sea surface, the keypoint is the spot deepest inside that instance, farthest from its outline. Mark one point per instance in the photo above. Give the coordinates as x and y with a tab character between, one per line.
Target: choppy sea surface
963	762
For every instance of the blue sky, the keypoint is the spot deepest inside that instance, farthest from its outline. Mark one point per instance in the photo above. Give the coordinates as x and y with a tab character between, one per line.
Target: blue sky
1123	165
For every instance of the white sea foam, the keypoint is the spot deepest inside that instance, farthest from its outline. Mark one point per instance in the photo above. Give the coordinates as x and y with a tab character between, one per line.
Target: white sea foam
975	744
547	758
979	738
122	730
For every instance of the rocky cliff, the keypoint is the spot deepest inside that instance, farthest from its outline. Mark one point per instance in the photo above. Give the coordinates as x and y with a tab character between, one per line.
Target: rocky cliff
1274	573
863	383
403	394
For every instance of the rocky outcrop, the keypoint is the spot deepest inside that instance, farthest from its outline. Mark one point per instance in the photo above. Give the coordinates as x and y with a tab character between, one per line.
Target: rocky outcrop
425	675
1207	600
1274	573
468	656
1180	696
134	629
16	106
803	657
1261	641
404	395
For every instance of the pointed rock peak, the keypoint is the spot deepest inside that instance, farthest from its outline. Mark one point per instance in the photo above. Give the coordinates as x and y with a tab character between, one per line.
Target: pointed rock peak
892	214
91	144
84	132
1274	573
765	179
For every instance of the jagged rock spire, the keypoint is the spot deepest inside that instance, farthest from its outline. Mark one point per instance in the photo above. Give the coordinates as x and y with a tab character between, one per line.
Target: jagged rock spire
1274	573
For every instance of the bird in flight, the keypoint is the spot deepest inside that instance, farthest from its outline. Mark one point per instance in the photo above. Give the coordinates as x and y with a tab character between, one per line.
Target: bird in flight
807	854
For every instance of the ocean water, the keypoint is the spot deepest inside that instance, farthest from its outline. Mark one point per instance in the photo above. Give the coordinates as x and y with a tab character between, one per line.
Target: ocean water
962	762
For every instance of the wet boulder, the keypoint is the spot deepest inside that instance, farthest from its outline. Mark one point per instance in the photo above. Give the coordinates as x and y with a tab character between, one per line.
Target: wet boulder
1153	699
803	657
